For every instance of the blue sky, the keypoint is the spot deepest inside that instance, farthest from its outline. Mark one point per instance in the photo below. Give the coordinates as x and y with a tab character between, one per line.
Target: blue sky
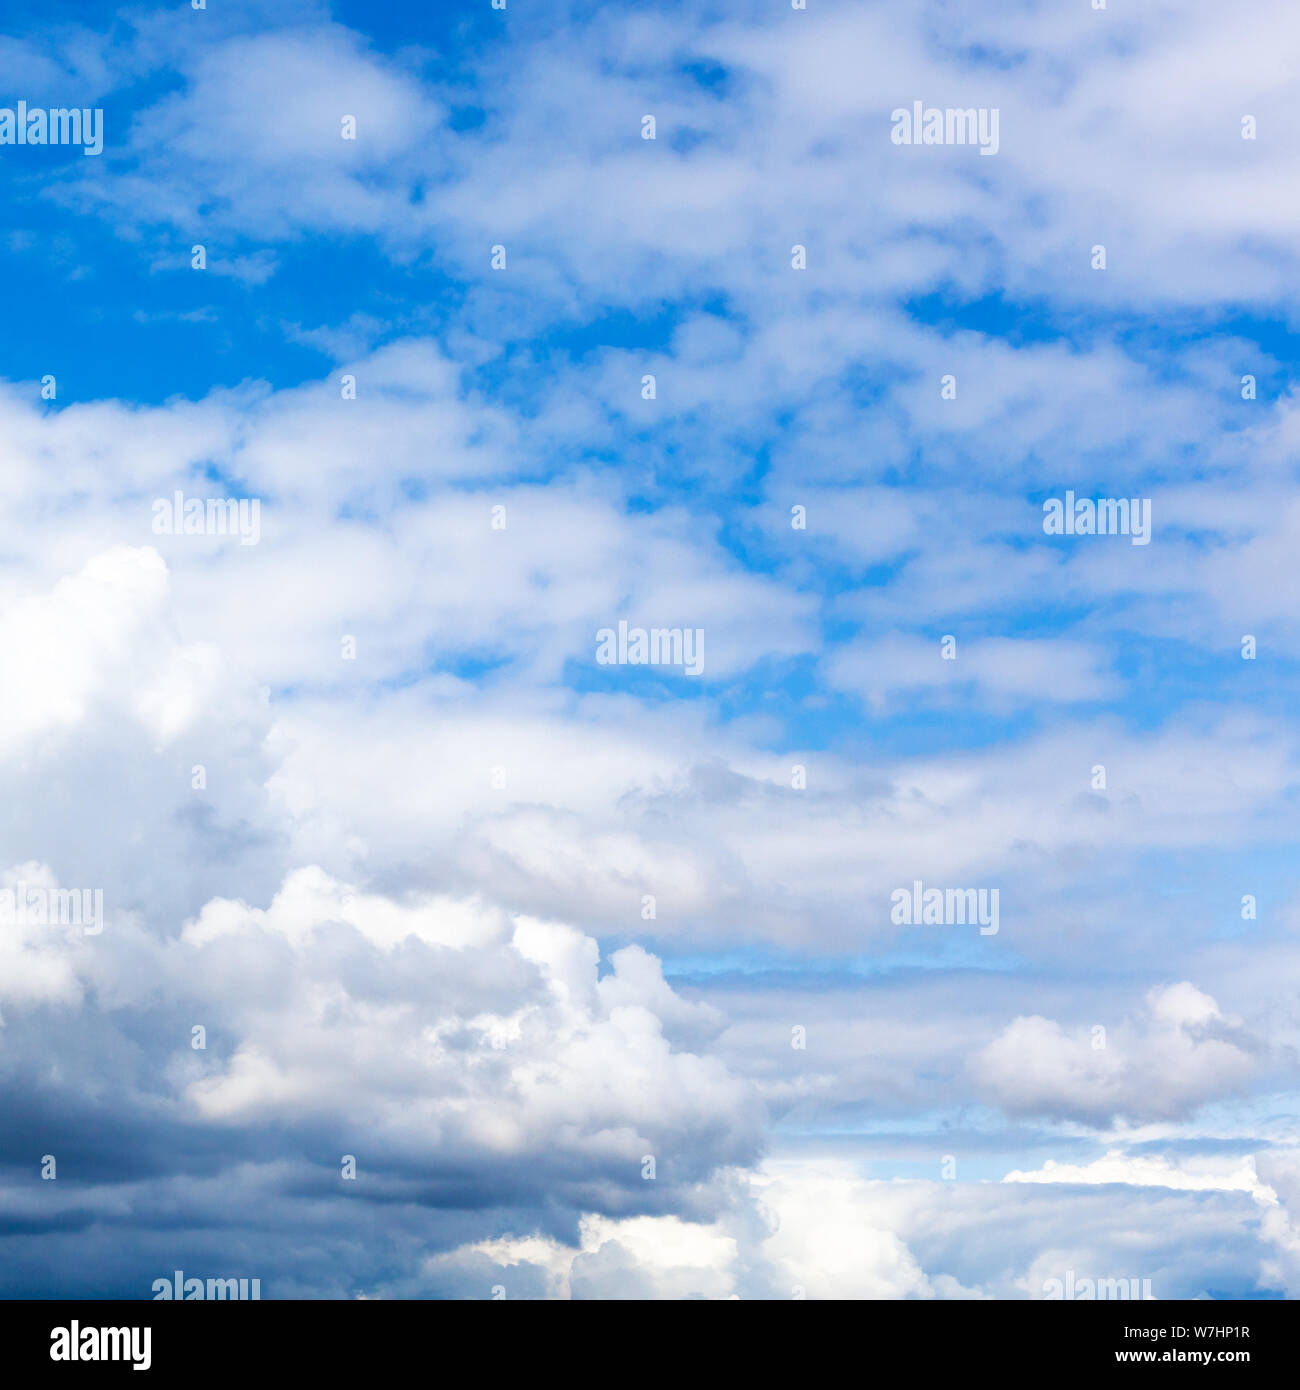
407	901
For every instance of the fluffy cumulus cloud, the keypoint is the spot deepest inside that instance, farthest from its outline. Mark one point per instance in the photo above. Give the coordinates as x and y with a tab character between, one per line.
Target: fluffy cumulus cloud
365	931
1187	1053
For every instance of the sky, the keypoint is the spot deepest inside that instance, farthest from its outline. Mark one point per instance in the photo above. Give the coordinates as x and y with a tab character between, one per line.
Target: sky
449	947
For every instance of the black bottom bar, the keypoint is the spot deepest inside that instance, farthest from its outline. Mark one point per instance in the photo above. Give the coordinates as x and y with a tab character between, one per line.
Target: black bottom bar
336	1339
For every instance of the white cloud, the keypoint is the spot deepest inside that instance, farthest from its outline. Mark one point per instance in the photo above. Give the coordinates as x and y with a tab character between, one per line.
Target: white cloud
1187	1053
